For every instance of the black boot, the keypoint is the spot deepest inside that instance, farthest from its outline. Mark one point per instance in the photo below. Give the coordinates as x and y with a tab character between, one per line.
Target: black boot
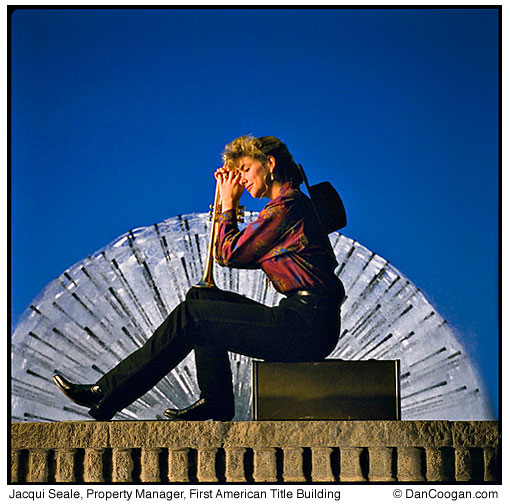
202	410
90	396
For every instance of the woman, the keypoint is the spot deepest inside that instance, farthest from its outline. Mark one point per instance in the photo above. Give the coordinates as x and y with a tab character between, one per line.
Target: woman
287	242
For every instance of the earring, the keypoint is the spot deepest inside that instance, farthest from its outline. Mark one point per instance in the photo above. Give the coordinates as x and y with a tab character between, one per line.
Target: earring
271	177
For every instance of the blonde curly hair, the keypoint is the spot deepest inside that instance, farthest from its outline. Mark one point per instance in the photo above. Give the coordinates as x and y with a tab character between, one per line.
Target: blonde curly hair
260	148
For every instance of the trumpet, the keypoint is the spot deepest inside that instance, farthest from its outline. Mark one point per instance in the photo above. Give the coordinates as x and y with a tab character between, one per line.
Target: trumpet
207	280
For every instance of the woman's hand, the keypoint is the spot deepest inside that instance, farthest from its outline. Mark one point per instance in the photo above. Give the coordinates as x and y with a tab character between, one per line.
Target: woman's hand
230	188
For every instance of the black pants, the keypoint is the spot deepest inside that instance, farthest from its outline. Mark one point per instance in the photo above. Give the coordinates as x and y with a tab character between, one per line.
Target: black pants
213	322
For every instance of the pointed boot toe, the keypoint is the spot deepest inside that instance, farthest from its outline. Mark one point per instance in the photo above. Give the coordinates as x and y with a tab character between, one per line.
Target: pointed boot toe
201	410
84	395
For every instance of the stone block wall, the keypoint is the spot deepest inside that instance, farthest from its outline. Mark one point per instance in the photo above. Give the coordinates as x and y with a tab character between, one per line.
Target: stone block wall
259	451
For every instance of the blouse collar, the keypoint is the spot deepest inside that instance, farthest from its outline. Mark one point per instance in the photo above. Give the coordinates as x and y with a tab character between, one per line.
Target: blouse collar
286	188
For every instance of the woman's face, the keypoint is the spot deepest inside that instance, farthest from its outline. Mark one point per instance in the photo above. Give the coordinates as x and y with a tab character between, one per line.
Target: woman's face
253	176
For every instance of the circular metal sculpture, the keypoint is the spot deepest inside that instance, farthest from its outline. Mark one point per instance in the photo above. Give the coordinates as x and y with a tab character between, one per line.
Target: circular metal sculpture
107	305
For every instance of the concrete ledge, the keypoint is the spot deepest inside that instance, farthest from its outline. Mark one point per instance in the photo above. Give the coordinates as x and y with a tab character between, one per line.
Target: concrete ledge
263	451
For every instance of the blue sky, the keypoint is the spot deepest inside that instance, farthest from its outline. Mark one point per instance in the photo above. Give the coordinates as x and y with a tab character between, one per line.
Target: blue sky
119	118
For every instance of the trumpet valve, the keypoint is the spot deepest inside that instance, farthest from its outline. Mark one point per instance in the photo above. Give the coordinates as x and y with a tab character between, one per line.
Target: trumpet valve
240	213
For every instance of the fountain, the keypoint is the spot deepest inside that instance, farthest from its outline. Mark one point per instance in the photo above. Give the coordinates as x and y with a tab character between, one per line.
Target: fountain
106	306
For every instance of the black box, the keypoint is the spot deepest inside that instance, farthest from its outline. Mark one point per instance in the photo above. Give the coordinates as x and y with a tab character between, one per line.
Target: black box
327	390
